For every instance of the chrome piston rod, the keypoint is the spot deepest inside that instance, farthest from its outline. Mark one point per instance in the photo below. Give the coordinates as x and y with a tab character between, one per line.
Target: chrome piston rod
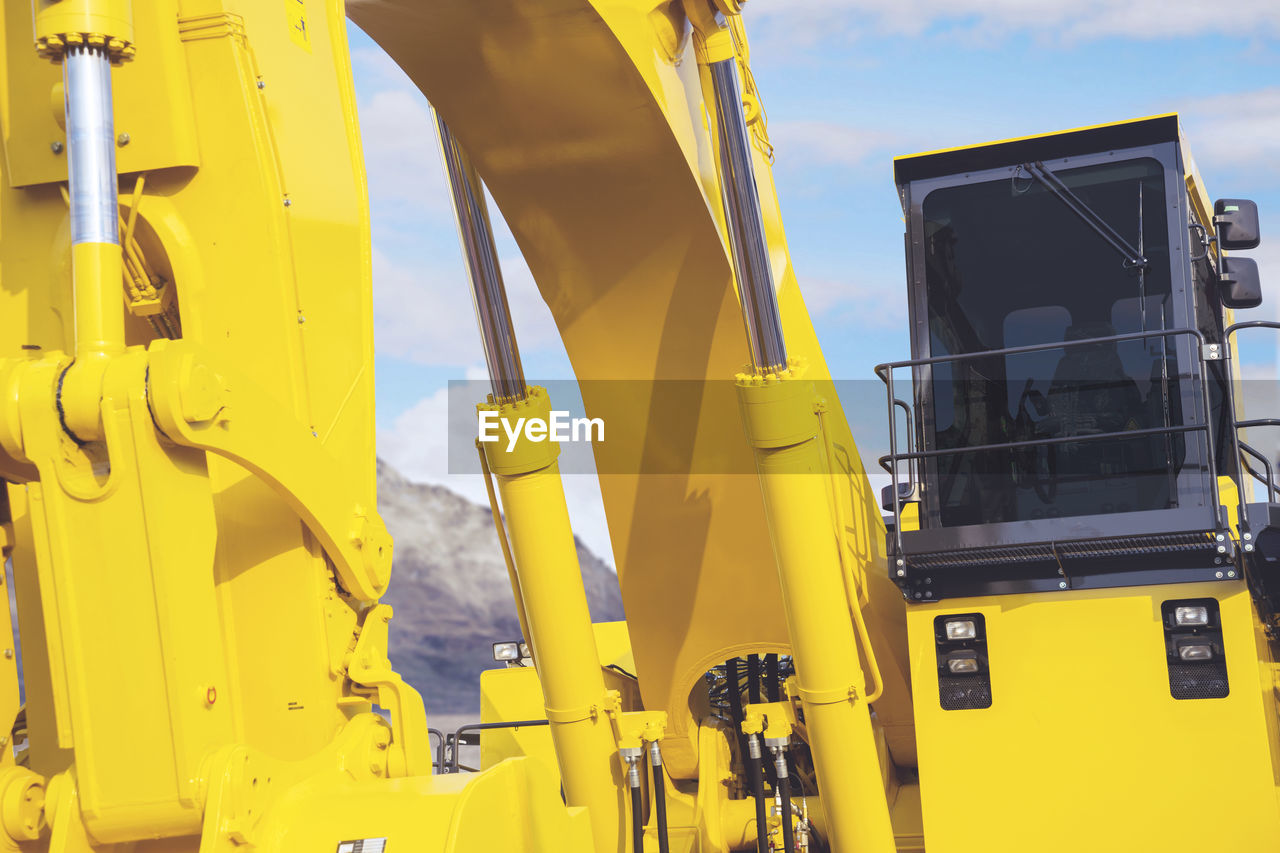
91	146
745	224
489	294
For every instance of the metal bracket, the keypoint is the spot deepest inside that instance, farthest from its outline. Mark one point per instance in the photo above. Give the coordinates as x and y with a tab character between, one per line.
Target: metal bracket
1216	352
199	403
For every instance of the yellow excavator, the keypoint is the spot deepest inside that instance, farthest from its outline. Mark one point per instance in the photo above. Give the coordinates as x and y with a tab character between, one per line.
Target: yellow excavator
1060	637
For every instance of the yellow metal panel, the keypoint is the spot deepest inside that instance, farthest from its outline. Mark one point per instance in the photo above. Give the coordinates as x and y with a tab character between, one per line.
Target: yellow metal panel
513	694
1083	742
152	100
610	190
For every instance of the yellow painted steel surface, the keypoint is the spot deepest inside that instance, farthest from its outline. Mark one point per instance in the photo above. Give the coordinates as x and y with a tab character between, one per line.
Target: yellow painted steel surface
196	545
1083	743
610	189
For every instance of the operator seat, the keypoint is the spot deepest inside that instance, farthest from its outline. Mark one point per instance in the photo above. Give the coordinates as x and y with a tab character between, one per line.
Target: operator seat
1091	393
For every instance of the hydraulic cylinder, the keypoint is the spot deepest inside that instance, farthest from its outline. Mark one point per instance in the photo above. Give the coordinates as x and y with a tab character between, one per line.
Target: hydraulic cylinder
561	634
547	581
783	429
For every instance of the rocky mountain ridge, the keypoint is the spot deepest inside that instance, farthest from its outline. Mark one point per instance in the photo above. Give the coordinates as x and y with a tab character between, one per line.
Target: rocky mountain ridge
450	590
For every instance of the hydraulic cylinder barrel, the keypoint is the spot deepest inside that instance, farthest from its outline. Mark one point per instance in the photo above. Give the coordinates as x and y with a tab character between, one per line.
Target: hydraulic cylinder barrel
784	433
548	582
782	425
561	634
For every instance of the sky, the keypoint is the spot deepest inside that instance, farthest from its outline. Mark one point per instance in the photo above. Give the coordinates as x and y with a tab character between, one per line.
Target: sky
847	85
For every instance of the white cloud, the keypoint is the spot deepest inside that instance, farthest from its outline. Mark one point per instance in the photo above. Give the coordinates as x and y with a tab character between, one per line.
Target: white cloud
417	445
1236	134
423	312
401	155
866	302
802	23
816	142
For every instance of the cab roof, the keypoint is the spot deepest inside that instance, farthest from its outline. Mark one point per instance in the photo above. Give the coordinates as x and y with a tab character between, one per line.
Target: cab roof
1027	149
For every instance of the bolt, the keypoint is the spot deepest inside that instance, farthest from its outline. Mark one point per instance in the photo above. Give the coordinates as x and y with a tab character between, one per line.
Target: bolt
1248	546
902	573
928	580
928	595
901	562
288	203
1062	584
1221	537
918	595
55	147
1218	575
8	654
302	318
1248	536
122	139
1231	573
262	84
1222	549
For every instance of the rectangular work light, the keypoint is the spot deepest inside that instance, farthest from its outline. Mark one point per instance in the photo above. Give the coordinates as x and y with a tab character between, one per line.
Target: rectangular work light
506	651
1191	616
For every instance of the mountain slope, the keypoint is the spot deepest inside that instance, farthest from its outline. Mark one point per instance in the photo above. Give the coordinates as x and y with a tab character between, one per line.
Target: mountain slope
450	590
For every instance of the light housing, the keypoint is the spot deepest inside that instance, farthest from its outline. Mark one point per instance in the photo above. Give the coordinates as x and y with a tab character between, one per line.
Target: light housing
1193	649
506	652
524	651
1191	616
961	629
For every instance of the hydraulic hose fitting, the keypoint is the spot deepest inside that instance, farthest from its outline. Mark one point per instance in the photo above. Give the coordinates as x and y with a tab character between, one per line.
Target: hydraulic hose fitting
778	747
632	755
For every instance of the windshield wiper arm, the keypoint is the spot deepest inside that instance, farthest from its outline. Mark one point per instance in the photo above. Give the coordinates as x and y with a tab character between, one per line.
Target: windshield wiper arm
1132	257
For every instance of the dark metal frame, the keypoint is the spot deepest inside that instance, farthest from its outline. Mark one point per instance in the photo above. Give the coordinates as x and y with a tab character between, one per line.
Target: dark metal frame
1153	523
1158	532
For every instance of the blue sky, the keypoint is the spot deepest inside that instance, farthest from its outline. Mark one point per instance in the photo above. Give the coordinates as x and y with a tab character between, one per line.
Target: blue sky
847	84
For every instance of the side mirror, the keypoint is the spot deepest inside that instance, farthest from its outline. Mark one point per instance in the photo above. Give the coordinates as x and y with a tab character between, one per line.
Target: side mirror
1237	221
905	496
1240	285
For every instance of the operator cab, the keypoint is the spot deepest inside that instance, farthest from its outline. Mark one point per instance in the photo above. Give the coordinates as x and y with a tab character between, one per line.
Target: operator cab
1070	423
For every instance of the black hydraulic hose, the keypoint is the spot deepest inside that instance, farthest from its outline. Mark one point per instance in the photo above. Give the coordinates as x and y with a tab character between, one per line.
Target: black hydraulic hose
774	678
733	688
753	678
637	821
784	793
756	780
659	796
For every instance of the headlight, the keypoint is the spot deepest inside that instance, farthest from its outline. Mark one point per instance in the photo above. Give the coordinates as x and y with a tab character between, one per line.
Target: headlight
506	651
1191	616
1194	649
962	663
961	629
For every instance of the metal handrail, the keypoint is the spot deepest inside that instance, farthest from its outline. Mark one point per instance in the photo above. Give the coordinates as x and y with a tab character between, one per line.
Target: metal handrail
1266	466
1044	442
438	763
1236	426
885	372
453	739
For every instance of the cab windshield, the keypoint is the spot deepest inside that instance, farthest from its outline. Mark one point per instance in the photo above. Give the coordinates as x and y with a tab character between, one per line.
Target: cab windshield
1009	264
